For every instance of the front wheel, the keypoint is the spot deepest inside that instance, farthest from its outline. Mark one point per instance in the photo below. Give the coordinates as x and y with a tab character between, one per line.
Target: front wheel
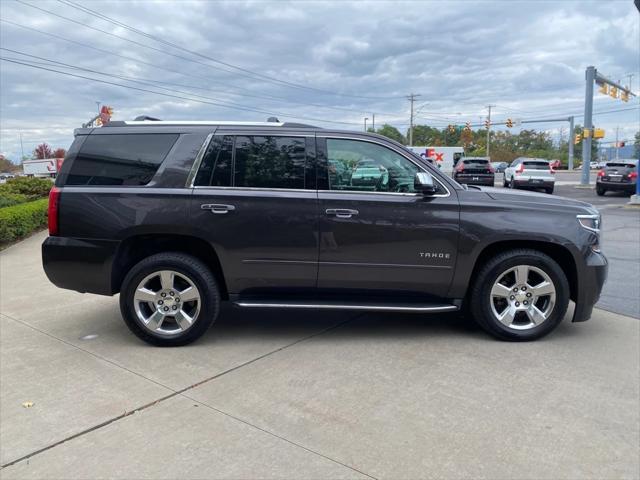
520	295
512	184
169	299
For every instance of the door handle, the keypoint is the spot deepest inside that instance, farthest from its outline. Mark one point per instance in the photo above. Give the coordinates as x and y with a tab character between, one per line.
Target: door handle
341	212
217	208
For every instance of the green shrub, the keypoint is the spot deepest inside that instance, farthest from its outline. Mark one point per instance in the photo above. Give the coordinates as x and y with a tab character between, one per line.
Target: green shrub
32	187
10	199
20	220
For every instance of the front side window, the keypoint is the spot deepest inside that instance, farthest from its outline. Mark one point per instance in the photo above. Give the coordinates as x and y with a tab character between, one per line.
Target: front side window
356	165
269	162
120	159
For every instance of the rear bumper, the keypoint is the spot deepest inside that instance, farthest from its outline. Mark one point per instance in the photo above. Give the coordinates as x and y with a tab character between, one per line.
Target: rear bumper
590	282
471	179
83	265
618	186
533	183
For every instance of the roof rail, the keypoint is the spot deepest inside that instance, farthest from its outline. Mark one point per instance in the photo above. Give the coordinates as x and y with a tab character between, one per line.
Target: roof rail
142	118
147	121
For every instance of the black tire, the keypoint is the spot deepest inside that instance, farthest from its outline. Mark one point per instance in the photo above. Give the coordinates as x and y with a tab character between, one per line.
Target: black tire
512	185
600	191
480	295
504	182
549	190
192	268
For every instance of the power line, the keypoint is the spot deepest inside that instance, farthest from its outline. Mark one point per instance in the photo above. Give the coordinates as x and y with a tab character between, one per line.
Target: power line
241	71
178	96
189	75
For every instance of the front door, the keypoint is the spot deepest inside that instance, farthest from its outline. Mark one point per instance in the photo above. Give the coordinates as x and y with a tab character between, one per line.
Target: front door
254	200
376	233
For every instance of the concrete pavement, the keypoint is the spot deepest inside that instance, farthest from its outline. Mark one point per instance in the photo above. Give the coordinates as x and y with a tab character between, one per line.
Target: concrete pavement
306	395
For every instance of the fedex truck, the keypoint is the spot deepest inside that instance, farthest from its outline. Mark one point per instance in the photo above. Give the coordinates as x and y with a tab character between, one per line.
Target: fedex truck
47	167
444	157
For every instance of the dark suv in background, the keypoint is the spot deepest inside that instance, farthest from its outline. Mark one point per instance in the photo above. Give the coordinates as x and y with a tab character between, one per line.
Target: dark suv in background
180	216
618	176
474	171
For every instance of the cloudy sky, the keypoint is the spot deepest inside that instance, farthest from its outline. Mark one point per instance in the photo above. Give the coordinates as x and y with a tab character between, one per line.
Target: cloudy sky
326	63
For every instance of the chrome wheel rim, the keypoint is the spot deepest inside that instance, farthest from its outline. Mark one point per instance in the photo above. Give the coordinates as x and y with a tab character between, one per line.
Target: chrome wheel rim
167	302
522	297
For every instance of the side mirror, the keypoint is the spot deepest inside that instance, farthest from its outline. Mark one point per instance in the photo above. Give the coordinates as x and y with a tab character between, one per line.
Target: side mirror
423	182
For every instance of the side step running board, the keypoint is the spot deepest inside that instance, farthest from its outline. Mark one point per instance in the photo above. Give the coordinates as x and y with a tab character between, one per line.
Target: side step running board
346	305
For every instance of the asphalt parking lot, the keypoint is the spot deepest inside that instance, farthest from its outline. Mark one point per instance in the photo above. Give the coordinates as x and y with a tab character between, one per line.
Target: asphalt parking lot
319	395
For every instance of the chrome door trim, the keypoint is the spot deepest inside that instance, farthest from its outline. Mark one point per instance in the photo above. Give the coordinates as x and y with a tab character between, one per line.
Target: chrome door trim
196	164
379	308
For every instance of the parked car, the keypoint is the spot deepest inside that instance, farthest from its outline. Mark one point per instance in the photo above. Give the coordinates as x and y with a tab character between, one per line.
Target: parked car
368	173
178	217
499	167
555	164
530	173
618	176
594	165
474	171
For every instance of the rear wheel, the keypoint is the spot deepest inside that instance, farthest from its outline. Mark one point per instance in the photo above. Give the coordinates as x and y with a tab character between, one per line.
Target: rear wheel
549	190
169	299
520	295
600	191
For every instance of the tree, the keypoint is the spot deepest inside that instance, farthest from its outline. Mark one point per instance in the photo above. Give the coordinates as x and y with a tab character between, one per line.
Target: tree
5	164
59	153
391	132
636	145
43	151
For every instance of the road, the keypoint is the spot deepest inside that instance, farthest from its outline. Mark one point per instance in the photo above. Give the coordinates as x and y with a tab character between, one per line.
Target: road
314	395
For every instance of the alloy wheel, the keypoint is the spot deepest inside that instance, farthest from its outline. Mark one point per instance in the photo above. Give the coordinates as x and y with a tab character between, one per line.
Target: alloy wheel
522	297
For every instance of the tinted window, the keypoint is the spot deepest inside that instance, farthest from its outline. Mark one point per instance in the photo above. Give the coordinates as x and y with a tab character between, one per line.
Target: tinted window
476	161
269	162
362	166
216	167
128	159
536	165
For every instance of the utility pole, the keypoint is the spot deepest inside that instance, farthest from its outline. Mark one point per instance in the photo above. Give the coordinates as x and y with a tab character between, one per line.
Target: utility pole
489	129
365	123
412	98
590	76
571	139
21	148
617	144
373	121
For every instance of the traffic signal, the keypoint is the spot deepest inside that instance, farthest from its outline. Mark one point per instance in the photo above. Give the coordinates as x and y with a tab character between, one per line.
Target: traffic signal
487	124
624	96
598	133
452	129
586	133
604	89
576	140
509	123
613	92
621	144
467	126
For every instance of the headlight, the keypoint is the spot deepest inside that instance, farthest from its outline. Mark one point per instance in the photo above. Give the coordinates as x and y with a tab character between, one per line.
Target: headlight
590	222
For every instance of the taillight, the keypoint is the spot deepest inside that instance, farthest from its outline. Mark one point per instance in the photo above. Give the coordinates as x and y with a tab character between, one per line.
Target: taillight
460	168
601	173
552	171
520	168
633	175
54	201
491	169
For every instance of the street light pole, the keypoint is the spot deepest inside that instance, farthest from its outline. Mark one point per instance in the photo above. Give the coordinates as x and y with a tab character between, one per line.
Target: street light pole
412	98
571	139
590	77
617	144
373	121
365	123
489	129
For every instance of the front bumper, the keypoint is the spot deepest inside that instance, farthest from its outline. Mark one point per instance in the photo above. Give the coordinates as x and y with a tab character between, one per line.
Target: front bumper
590	282
84	265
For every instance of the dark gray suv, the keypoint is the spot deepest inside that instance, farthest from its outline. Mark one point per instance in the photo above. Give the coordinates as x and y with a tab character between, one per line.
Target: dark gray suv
180	216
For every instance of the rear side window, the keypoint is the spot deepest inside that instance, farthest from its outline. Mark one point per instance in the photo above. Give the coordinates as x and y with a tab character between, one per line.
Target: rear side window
120	159
536	165
269	162
216	166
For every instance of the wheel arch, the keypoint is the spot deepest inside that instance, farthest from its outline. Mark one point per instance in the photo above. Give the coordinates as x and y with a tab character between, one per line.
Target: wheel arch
137	247
559	253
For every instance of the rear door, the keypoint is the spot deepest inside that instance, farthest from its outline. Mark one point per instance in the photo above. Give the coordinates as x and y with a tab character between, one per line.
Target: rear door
381	236
254	199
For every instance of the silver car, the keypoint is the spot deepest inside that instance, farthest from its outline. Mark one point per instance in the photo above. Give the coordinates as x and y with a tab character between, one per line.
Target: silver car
530	173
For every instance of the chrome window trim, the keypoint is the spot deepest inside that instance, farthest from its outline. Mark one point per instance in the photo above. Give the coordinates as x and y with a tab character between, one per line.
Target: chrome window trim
196	164
211	123
208	187
393	148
